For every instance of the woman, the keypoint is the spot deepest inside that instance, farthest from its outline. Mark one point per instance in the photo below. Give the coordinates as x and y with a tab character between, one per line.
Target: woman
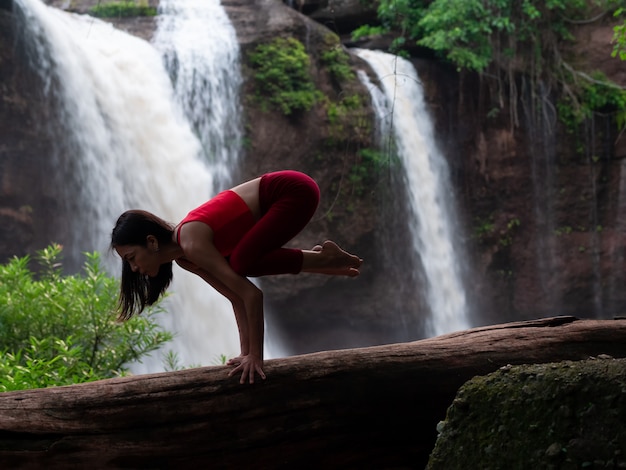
238	233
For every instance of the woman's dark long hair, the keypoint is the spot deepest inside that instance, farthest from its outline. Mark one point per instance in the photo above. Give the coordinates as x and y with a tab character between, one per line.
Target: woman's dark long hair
137	290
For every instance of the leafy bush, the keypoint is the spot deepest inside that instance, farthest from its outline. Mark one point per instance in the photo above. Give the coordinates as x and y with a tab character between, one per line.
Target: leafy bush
396	15
60	330
123	9
282	75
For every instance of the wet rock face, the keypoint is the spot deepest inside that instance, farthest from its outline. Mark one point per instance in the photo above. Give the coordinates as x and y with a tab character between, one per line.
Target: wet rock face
20	145
559	415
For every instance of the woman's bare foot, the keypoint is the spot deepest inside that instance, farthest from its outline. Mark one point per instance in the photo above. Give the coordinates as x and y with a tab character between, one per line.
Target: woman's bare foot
330	259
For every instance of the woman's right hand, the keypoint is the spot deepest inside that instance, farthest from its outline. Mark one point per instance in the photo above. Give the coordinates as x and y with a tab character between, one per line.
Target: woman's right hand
248	366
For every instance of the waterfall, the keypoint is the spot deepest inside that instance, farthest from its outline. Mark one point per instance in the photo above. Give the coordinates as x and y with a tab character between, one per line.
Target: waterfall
130	145
431	202
201	51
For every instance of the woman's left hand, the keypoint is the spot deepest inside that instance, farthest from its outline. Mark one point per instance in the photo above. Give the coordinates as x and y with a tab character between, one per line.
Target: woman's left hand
248	366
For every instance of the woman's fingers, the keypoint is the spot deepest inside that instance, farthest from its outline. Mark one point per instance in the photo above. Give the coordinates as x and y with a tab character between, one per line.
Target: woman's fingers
248	370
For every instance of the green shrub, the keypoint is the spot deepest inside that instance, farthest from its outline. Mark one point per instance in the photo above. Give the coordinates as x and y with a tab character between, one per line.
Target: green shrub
282	75
336	60
60	329
123	9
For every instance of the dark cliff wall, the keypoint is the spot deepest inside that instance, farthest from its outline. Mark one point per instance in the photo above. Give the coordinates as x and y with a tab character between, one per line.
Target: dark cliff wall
25	215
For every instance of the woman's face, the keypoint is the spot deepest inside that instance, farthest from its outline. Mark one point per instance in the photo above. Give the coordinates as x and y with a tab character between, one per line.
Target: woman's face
140	258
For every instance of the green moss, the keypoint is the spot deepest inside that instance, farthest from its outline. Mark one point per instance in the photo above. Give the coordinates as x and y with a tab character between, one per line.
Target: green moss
549	416
282	75
483	227
336	60
348	114
121	9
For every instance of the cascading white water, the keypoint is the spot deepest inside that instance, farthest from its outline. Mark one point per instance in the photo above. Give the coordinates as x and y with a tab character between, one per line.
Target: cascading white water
381	106
134	149
201	52
427	174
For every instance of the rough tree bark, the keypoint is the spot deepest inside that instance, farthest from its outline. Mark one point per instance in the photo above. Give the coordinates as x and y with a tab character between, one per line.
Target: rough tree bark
361	408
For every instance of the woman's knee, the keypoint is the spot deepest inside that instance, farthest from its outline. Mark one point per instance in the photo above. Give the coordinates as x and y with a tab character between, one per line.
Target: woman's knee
307	194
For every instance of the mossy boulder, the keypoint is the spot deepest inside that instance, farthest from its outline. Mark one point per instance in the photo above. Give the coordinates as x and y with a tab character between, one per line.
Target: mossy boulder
565	415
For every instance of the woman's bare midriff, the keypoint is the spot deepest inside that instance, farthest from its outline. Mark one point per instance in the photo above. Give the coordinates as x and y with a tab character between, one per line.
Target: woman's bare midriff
249	192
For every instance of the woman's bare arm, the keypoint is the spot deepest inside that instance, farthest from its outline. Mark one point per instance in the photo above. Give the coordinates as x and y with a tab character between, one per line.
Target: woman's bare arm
238	309
195	238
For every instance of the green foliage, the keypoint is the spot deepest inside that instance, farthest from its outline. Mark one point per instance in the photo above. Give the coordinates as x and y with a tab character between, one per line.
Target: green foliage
619	38
44	363
595	93
474	33
344	113
395	15
122	9
565	230
336	60
364	173
59	330
483	226
282	75
506	238
503	37
462	31
367	30
336	110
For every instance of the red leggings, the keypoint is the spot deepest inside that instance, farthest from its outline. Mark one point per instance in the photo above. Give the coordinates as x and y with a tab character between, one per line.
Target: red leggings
288	200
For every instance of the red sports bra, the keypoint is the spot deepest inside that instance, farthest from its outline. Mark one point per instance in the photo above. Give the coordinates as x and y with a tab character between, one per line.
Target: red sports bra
228	216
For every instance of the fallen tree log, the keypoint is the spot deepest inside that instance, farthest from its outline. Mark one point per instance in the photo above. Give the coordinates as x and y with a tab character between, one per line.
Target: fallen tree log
372	407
